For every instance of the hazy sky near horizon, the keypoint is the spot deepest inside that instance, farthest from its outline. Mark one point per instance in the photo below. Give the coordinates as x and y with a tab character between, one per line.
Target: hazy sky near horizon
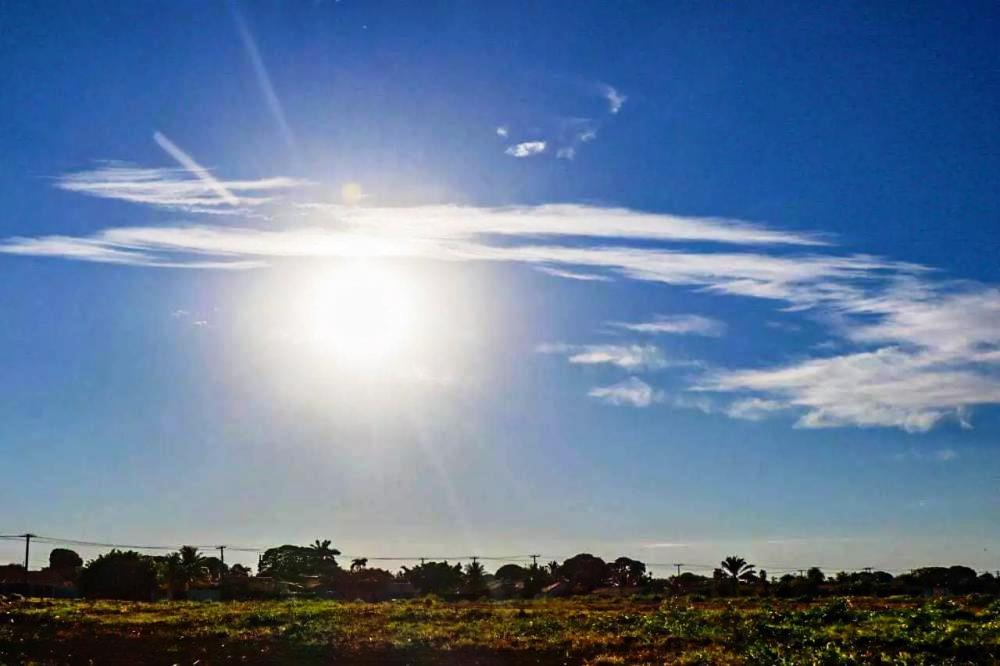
667	280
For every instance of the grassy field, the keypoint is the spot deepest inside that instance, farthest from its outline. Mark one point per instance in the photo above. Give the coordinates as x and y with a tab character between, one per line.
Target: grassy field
578	631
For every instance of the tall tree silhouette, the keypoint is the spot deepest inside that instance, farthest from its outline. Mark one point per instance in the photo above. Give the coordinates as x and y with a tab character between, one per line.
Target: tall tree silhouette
475	579
737	569
323	550
190	555
192	564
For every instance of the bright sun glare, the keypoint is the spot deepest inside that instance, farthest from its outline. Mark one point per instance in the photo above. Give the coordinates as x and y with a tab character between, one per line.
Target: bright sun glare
360	312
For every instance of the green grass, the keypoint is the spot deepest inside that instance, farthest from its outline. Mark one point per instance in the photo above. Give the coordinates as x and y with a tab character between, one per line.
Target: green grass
576	631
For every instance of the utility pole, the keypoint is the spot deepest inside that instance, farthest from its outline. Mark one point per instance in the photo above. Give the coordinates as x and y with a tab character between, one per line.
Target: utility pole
27	550
222	553
474	558
534	561
678	568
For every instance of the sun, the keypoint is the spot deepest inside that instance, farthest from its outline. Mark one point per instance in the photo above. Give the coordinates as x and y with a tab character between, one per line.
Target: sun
352	193
360	312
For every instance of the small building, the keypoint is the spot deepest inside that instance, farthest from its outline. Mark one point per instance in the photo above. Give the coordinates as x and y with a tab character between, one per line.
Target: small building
44	583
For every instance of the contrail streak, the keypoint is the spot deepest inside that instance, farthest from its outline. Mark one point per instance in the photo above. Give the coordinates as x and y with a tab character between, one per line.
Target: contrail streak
263	78
188	163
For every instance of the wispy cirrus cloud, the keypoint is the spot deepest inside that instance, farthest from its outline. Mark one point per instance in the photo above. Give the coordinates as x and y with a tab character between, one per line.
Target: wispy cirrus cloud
98	250
448	222
937	356
632	392
915	349
891	386
455	233
573	133
573	275
754	409
935	455
629	357
685	324
564	136
174	188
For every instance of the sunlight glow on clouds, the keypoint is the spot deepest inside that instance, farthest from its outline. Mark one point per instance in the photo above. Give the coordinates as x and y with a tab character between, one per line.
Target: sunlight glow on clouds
918	349
173	188
195	169
573	275
352	193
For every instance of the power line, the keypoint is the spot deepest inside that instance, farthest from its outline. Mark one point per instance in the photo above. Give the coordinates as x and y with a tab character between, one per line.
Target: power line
51	540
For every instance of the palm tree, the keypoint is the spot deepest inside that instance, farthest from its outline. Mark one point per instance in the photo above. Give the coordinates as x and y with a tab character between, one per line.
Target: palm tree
475	578
737	569
359	563
181	568
323	550
190	557
173	574
192	564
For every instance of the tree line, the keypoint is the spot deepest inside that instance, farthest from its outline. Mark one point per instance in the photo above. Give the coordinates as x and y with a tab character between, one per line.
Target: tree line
314	569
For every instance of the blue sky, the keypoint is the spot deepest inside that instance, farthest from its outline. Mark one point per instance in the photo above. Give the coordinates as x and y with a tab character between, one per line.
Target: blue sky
673	281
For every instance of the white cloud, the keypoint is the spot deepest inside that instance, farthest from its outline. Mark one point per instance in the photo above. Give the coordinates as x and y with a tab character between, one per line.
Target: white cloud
917	349
917	314
172	188
451	221
887	387
629	357
503	132
453	233
631	392
754	409
700	403
936	455
100	251
571	134
572	275
615	98
526	149
941	357
686	324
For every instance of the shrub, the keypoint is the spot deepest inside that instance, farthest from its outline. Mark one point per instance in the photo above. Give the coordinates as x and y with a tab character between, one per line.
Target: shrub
119	575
